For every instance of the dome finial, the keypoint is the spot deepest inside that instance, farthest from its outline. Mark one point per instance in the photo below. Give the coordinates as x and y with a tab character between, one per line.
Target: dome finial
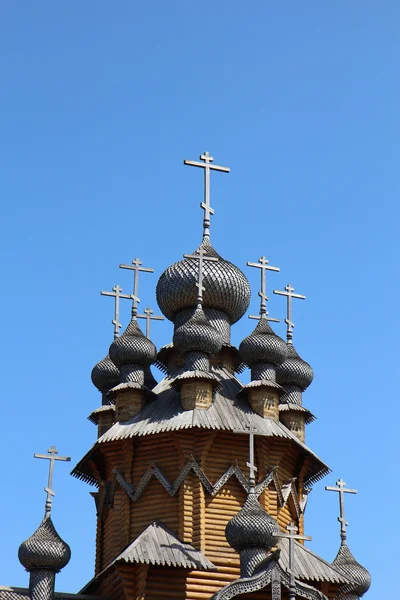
116	294
206	165
289	295
136	266
51	457
342	490
263	265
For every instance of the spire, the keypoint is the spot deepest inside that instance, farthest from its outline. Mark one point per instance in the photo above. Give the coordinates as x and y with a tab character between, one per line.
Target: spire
289	295
207	166
44	554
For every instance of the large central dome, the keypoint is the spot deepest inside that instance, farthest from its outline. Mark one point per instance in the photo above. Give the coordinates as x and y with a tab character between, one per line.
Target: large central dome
226	287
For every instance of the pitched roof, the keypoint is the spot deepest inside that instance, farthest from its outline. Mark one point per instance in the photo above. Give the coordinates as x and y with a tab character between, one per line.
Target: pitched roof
309	566
158	545
227	412
17	593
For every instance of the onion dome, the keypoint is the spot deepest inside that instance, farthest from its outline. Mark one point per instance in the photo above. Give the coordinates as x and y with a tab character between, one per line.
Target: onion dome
132	347
105	375
252	527
197	335
294	370
44	549
263	345
346	562
226	287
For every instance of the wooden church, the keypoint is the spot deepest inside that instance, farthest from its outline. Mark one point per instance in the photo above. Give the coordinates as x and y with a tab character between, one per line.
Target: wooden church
202	482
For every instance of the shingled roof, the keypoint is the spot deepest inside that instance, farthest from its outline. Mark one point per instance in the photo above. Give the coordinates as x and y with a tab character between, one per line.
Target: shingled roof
227	413
308	566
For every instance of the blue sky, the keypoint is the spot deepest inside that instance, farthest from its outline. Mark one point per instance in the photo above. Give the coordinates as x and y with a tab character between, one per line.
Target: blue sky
99	105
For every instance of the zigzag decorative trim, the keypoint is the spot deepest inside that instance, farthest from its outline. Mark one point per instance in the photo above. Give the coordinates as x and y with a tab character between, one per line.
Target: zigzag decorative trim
213	489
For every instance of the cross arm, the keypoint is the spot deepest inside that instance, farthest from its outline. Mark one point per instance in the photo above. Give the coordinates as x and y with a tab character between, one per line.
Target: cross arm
67	458
207	165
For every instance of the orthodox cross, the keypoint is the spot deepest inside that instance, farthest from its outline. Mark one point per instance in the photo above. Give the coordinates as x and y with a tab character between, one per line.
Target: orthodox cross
291	536
136	266
207	166
289	295
51	456
201	257
148	316
342	490
263	265
116	293
251	463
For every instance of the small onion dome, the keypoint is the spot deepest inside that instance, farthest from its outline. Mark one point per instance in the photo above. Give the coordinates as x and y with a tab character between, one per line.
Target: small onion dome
105	374
252	527
346	562
295	370
44	549
226	287
263	345
132	347
197	335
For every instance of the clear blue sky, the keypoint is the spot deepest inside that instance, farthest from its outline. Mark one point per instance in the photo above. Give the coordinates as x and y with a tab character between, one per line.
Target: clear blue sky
100	103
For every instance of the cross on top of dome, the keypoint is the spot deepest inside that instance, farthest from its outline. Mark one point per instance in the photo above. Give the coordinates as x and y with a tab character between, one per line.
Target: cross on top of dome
200	256
116	294
289	295
136	266
207	166
342	490
51	457
263	265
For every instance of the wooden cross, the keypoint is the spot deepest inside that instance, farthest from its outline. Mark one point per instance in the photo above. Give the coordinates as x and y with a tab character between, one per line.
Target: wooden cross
116	293
291	536
289	295
207	166
148	316
136	266
201	257
51	456
342	490
263	265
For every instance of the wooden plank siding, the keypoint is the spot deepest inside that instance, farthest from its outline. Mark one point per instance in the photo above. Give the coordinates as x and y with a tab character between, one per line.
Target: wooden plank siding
197	517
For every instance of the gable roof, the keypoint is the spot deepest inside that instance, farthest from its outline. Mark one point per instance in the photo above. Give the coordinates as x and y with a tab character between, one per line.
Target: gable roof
159	545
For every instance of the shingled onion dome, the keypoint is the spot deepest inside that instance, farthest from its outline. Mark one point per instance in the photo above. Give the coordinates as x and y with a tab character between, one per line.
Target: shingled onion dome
227	291
252	532
44	554
263	351
132	353
197	340
294	375
346	563
105	376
